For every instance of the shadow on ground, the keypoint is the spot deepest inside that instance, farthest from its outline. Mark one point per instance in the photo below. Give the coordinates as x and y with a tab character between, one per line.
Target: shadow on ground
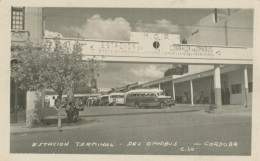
139	113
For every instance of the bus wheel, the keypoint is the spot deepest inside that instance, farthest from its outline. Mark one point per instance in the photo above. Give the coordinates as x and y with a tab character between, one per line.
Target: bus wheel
163	105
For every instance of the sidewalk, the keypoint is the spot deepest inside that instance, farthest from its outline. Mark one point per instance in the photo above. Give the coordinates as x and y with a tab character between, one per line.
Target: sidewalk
23	129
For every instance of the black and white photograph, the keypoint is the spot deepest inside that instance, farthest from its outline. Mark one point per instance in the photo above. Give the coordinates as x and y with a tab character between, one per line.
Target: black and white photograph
146	81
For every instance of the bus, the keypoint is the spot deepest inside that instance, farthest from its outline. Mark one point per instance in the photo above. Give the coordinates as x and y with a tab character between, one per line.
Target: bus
148	98
118	98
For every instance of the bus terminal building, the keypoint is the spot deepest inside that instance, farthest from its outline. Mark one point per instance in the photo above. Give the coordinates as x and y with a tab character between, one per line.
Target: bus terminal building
198	88
236	80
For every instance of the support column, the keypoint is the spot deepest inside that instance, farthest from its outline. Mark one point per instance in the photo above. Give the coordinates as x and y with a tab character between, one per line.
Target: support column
191	92
159	86
217	86
246	86
173	90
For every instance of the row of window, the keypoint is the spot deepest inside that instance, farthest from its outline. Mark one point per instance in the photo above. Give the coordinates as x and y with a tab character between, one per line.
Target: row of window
141	95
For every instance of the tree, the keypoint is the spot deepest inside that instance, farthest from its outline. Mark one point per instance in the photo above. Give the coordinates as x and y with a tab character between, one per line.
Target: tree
55	66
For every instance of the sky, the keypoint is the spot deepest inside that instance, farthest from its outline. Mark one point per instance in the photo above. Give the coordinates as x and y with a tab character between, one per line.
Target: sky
116	24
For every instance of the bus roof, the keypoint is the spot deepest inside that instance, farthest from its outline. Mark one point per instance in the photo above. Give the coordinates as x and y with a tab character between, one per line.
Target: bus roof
112	94
78	95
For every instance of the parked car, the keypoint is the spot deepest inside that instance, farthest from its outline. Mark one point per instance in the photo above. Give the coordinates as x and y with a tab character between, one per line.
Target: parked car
148	98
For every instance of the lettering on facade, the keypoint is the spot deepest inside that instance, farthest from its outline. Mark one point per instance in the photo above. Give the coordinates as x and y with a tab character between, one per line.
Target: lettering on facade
156	36
135	49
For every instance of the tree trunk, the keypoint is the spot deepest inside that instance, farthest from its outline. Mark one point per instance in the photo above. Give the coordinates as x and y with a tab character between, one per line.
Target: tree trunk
59	113
42	100
70	94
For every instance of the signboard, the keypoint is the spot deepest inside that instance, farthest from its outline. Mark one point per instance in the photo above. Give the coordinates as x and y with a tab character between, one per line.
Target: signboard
161	51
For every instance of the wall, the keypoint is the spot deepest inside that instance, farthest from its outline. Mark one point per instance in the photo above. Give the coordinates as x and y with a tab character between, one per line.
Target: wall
237	77
240	29
33	24
208	32
236	31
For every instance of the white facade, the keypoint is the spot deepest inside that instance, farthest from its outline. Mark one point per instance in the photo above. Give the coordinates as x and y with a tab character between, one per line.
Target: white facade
233	30
230	30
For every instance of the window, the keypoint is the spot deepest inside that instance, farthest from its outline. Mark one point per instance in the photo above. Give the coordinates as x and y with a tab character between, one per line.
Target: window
236	88
17	21
156	44
250	87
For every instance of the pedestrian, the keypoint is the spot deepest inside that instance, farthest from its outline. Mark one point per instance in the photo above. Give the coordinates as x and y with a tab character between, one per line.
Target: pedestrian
184	98
201	99
212	94
223	96
227	96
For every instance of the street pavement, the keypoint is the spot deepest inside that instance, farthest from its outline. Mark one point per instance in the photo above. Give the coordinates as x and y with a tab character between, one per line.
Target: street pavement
124	130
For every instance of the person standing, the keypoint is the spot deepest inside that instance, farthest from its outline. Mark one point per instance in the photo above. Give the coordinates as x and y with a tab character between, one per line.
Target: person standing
227	96
223	96
212	94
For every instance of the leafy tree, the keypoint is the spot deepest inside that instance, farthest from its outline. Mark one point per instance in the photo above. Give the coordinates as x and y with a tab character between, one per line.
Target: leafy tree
54	65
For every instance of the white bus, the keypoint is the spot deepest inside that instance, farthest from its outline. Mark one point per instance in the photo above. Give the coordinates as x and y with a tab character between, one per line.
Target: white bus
118	98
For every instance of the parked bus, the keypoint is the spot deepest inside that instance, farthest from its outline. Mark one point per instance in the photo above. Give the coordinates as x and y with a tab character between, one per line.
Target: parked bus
118	98
148	98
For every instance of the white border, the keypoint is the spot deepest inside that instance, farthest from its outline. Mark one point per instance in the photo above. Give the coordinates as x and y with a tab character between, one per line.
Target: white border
5	73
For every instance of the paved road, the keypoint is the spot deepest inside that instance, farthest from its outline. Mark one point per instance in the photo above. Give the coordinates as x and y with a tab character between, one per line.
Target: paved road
153	132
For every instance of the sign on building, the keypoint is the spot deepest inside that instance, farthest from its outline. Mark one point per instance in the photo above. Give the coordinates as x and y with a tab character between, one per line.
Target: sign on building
159	48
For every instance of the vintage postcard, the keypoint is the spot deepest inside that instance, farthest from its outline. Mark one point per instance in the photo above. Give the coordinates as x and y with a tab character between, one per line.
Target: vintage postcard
130	80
